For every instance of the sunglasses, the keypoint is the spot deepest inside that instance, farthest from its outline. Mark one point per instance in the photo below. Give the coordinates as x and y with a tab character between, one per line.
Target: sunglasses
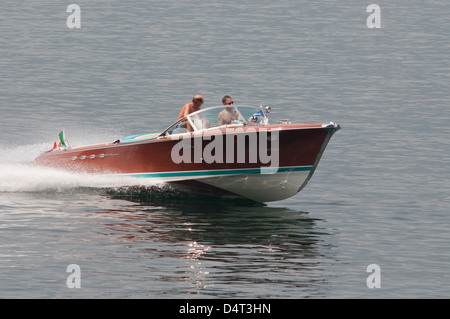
229	103
199	100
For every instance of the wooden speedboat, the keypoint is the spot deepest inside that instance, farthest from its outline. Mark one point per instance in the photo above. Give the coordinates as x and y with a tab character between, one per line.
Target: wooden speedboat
225	150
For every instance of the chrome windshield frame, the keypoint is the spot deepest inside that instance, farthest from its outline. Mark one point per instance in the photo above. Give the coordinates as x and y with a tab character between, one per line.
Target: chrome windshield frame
189	118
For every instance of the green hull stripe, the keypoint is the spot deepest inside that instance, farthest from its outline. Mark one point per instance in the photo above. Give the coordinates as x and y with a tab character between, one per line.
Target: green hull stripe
262	170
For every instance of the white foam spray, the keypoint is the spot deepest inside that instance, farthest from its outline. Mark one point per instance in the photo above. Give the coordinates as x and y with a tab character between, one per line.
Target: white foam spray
19	174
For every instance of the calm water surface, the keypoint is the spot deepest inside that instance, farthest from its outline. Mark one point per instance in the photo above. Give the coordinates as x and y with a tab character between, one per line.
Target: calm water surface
380	195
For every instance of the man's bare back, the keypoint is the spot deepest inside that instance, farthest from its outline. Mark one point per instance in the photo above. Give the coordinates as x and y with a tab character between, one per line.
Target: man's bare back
189	108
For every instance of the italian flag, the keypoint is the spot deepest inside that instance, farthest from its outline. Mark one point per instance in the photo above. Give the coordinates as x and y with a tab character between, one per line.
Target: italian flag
61	142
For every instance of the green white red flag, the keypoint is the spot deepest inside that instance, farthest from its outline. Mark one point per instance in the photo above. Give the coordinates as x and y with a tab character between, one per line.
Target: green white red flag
61	142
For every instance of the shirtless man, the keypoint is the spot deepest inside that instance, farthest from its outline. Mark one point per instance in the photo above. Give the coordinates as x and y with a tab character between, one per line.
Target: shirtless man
228	115
189	108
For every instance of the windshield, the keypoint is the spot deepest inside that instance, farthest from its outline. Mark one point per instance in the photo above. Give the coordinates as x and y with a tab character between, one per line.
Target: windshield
251	114
213	117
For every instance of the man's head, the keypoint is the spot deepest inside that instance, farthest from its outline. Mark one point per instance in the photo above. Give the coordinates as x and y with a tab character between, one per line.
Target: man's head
227	100
197	100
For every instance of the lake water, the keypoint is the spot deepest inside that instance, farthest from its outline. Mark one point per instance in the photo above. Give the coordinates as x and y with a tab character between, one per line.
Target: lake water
380	195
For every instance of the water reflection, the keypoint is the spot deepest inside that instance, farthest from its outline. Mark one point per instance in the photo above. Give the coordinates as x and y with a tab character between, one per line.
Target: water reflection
206	248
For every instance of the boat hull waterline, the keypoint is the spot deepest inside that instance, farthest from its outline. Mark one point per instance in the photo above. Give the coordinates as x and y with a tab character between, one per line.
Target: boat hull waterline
259	162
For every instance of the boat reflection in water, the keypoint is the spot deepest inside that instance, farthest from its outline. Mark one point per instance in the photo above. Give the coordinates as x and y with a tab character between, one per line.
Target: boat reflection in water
246	158
196	247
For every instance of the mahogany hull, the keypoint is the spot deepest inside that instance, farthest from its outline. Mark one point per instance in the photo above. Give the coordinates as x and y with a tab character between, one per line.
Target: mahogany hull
286	157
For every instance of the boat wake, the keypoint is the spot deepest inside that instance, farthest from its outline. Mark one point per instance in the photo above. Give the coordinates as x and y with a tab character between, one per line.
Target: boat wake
19	174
